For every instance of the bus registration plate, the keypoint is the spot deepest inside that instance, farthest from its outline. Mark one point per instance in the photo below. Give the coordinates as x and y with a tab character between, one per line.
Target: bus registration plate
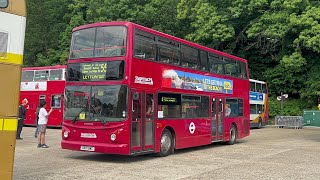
87	148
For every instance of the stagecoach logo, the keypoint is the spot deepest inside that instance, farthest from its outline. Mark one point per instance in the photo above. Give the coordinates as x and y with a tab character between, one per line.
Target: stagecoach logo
192	127
88	135
143	80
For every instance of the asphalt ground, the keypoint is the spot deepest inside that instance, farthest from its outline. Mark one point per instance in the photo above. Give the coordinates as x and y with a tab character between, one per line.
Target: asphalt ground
269	153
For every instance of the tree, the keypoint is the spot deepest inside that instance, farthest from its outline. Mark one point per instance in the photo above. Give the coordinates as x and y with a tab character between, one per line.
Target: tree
44	24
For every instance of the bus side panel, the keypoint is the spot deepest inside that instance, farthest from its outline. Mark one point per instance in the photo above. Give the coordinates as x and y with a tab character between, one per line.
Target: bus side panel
56	88
10	86
53	88
266	110
196	132
184	135
242	124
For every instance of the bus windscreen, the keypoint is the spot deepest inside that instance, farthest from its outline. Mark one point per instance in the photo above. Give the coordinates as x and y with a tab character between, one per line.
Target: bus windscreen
96	103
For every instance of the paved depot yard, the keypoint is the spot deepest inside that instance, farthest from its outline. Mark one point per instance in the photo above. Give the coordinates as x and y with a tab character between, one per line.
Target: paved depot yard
269	153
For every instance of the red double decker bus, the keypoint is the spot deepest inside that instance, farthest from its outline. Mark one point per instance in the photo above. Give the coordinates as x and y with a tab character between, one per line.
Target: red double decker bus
43	83
133	90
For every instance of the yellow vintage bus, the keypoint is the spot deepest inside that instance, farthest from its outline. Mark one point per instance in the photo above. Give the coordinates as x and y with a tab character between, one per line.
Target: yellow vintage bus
259	113
12	34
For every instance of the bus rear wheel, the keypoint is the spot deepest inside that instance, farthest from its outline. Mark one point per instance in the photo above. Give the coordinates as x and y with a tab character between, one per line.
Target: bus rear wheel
166	143
233	135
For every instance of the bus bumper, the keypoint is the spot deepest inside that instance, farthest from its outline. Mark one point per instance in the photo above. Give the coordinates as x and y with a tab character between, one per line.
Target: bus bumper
107	148
256	125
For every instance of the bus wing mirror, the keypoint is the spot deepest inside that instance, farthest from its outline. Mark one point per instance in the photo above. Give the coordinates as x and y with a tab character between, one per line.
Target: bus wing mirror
135	96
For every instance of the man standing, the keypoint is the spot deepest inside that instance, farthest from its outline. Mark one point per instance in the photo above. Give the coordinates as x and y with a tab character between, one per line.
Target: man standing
22	116
42	124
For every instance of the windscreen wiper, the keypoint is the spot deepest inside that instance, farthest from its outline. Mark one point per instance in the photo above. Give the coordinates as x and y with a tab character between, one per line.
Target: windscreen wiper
75	118
104	122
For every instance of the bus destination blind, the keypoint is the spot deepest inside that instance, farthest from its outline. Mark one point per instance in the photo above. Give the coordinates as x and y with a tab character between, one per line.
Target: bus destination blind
93	71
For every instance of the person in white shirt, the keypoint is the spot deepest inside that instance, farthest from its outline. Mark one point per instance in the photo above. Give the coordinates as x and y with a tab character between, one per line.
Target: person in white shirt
42	124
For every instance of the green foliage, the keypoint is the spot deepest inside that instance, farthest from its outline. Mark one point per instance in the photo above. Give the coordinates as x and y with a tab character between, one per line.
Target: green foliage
311	87
44	26
295	61
308	28
279	38
291	107
207	16
159	15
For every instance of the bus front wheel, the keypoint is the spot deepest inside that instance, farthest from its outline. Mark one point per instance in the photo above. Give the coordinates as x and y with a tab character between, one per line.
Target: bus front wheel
166	144
233	135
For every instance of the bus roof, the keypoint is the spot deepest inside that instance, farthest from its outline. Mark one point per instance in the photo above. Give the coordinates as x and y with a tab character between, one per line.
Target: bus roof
45	68
126	23
256	81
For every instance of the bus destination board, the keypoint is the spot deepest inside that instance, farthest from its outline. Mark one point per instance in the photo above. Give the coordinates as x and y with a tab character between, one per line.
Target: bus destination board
93	71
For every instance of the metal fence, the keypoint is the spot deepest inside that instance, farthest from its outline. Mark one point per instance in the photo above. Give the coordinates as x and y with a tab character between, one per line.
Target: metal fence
289	122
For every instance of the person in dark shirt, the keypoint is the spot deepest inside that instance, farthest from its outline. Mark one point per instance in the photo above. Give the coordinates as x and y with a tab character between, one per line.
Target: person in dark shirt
23	108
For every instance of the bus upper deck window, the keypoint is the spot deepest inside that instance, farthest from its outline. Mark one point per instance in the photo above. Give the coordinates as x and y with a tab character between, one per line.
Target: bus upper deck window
252	86
243	70
3	3
4	43
41	75
27	76
55	74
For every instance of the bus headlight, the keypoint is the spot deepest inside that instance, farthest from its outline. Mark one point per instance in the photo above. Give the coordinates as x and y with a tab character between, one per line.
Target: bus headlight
66	134
113	137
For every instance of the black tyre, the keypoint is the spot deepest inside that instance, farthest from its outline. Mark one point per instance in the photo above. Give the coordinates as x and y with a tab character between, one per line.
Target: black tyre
166	143
233	135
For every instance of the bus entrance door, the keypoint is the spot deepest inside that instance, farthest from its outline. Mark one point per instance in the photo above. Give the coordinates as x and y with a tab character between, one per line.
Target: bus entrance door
142	122
217	119
221	104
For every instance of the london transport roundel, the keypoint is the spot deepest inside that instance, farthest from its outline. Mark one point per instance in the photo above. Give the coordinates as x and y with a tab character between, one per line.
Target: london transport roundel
192	127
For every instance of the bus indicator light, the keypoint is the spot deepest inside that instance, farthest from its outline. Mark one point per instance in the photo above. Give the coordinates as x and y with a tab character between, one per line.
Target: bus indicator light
113	137
66	134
